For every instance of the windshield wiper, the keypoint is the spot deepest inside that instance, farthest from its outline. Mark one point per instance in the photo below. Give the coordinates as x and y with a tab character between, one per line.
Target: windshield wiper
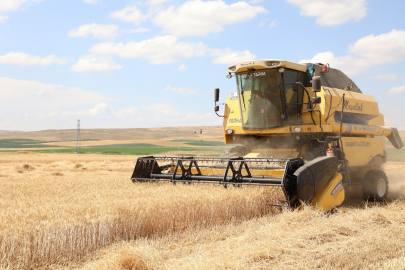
249	74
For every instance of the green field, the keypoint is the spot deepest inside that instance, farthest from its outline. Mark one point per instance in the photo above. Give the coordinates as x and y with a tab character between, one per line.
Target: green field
389	143
201	143
395	154
143	148
22	143
119	150
113	149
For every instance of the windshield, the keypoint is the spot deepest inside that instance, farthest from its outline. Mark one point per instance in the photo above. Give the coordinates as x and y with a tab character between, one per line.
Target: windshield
260	100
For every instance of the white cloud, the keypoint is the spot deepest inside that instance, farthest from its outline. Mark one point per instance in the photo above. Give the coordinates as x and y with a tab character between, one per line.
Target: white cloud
161	114
201	18
255	2
138	30
395	110
10	5
263	22
41	92
167	49
100	31
94	2
386	77
384	48
129	14
3	18
52	113
397	90
183	67
29	96
332	12
158	50
131	112
366	53
230	57
181	90
33	105
95	63
156	2
99	109
158	114
24	59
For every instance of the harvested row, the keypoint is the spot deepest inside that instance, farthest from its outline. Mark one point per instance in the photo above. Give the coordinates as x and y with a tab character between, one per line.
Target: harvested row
367	238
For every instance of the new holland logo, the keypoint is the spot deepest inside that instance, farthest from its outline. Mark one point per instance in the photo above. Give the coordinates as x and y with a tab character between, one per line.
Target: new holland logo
338	186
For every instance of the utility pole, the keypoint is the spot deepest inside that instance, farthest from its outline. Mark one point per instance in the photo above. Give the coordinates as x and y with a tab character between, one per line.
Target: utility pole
78	148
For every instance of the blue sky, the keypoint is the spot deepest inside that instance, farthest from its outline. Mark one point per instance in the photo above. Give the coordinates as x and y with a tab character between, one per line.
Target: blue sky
154	63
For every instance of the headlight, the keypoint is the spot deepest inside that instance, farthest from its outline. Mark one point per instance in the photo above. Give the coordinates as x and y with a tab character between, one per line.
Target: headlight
297	129
272	64
232	69
229	131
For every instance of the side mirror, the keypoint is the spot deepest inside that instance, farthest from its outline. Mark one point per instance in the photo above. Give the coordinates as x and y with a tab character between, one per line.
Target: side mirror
349	86
316	84
316	100
216	94
216	108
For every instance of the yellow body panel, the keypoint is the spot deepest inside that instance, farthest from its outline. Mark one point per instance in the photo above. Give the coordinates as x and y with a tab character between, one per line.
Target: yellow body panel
332	195
359	150
354	102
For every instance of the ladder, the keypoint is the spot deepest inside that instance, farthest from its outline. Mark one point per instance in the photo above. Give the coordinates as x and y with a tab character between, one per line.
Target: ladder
337	145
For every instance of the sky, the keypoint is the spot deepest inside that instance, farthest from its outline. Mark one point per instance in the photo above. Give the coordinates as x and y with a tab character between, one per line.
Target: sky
156	63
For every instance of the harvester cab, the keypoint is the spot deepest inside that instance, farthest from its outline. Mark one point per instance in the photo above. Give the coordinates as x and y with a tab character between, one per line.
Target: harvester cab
306	128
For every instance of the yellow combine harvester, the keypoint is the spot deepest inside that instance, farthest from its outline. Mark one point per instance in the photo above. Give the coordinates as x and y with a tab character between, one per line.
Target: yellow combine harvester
306	128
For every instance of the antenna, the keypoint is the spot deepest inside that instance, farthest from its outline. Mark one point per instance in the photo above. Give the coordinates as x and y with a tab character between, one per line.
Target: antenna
78	148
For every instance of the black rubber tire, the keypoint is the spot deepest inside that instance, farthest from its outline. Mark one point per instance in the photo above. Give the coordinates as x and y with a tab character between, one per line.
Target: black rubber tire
370	186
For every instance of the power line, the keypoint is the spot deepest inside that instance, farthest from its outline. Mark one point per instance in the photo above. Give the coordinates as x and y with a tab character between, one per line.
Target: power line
78	148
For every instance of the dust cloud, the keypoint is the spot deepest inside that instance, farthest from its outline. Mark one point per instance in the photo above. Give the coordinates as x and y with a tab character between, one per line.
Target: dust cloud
396	177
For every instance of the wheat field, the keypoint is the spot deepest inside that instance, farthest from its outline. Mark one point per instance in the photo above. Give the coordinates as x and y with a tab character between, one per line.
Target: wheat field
66	211
56	212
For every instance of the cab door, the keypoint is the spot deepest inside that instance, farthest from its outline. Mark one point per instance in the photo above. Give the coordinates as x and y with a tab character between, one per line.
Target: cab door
294	95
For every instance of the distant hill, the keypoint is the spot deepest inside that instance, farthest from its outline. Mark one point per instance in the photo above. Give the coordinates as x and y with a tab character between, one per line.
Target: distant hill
9	132
211	133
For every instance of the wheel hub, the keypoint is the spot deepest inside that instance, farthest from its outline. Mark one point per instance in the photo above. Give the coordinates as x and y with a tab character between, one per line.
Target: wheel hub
381	187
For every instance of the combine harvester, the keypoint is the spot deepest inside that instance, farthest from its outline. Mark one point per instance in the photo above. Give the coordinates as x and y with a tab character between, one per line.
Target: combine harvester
306	128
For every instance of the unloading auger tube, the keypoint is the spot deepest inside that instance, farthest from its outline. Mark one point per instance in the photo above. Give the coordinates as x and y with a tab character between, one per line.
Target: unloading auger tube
316	183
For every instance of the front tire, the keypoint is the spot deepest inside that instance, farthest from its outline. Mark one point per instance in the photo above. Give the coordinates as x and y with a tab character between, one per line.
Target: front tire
375	186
